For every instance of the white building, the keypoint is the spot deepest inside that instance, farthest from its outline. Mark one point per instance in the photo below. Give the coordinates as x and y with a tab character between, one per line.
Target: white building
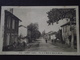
22	31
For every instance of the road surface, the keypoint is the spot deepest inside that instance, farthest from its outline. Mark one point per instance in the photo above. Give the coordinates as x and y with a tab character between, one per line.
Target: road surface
43	46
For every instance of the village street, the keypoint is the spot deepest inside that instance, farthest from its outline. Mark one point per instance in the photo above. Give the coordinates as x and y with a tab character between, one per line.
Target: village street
43	46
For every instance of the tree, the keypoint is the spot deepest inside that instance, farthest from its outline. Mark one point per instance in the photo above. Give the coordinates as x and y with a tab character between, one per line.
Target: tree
55	15
34	32
43	33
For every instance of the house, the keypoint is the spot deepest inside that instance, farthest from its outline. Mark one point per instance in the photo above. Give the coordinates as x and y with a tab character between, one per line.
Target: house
22	31
46	36
69	33
50	34
11	23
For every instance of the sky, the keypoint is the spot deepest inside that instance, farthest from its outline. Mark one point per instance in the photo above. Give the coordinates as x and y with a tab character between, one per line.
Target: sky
35	15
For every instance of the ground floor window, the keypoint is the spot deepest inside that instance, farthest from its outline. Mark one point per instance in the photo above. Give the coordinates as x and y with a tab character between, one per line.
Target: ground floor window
8	38
13	38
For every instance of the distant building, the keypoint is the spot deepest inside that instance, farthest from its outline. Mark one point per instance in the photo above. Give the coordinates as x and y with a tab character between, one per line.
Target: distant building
11	25
50	34
69	33
46	36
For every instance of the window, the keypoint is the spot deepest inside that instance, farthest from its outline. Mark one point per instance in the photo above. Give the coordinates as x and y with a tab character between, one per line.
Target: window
13	24
8	38
8	22
13	38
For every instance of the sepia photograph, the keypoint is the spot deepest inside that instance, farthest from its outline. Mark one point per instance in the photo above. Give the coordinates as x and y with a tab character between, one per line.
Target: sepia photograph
39	29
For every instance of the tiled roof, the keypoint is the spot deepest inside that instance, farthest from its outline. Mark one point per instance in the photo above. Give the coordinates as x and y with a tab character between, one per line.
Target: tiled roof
68	23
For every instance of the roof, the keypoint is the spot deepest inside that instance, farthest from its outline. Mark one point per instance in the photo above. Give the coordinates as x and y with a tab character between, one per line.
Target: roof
68	23
12	15
51	33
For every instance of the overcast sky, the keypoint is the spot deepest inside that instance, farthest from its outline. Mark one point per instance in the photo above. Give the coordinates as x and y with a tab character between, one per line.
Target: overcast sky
33	15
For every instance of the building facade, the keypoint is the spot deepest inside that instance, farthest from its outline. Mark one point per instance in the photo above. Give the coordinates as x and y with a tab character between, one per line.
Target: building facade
11	24
69	33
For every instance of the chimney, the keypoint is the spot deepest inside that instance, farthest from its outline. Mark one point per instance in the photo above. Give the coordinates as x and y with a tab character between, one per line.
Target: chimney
11	10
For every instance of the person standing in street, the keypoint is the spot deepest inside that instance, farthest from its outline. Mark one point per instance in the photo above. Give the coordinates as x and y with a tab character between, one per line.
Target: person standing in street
45	38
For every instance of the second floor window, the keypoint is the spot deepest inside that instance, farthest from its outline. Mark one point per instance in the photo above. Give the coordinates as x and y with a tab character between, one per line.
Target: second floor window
13	24
8	22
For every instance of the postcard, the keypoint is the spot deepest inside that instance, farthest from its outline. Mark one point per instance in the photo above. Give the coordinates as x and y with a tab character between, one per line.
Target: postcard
39	30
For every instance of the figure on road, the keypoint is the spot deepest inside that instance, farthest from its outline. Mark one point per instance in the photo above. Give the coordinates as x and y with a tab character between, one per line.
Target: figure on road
46	38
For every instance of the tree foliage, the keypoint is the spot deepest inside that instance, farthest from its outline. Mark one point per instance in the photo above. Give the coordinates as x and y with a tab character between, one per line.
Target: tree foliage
33	28
55	15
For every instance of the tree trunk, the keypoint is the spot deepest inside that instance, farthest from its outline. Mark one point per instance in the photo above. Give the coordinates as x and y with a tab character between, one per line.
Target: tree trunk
72	33
72	40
